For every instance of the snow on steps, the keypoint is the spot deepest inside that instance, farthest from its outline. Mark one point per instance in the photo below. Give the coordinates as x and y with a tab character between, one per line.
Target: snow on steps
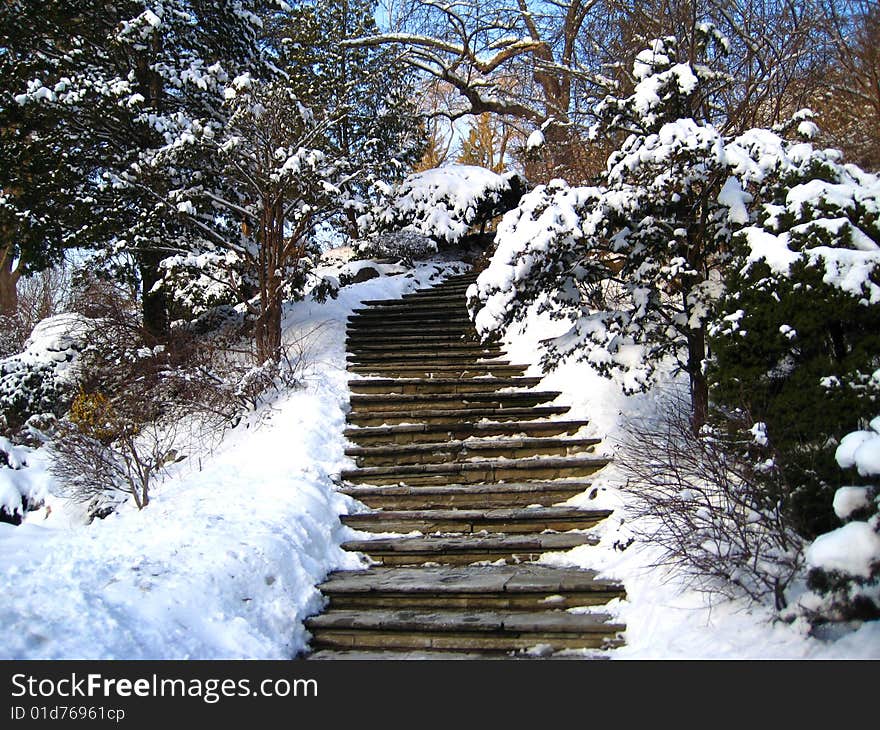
478	491
428	432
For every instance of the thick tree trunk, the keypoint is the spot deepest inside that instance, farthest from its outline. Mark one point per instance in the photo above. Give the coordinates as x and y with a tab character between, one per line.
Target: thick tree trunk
268	334
8	285
268	330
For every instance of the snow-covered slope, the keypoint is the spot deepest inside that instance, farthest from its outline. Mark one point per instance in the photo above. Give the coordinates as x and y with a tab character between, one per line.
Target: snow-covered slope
225	559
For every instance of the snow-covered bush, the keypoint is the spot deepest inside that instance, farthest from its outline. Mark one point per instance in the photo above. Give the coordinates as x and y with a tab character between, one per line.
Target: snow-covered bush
844	563
198	282
101	465
20	489
701	499
796	342
444	203
407	245
43	377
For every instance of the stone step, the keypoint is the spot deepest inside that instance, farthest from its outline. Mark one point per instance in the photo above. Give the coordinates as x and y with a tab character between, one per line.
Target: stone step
414	342
369	655
454	296
451	401
461	451
420	353
471	472
510	520
428	308
432	415
385	347
429	341
378	331
466	496
445	302
458	287
526	586
426	370
387	320
410	324
466	550
391	654
424	432
427	358
462	630
437	385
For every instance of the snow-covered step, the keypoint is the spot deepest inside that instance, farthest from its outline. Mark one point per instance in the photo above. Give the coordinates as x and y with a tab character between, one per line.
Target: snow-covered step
455	299
424	308
453	401
382	347
472	472
381	318
523	587
371	329
509	521
427	432
464	630
431	341
421	353
427	359
415	343
500	369
466	450
434	415
466	550
437	385
466	496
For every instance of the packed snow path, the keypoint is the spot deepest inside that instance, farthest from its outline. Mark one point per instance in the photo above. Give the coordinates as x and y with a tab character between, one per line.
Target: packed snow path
461	464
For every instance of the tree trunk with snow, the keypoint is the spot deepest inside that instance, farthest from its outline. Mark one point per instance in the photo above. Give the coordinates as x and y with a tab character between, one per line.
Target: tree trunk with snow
268	334
9	277
699	386
154	304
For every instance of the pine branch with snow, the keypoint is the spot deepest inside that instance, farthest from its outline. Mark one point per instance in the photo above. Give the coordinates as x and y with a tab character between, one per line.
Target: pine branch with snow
844	563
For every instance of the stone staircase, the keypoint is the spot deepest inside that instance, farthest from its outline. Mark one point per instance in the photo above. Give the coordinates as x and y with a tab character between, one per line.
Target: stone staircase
453	443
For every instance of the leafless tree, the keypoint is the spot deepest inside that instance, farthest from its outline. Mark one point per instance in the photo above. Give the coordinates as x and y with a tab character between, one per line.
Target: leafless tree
39	295
848	99
546	64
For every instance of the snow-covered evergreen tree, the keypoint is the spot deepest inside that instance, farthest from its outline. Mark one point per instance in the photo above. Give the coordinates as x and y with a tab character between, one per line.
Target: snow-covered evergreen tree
365	96
797	337
635	262
47	190
124	78
632	262
254	187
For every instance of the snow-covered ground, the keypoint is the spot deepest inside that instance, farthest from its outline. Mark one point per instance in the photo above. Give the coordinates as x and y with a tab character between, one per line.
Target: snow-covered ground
665	618
225	559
